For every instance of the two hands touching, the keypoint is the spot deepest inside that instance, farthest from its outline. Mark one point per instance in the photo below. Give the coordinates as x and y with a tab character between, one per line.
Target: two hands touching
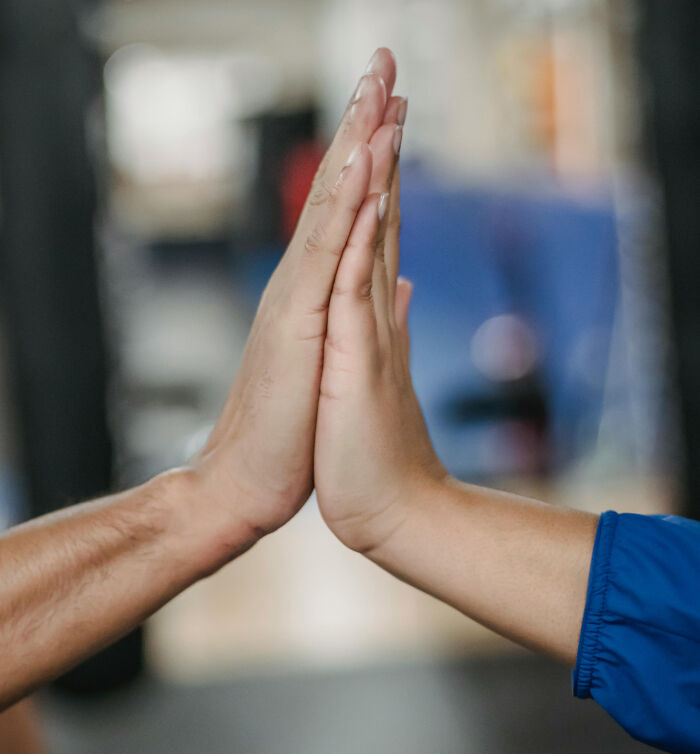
323	399
324	396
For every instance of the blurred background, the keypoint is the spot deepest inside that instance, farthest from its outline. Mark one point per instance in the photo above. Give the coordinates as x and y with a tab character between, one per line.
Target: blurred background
154	156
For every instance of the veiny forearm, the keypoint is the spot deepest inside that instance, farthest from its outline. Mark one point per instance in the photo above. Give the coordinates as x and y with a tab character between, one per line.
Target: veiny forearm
74	581
515	565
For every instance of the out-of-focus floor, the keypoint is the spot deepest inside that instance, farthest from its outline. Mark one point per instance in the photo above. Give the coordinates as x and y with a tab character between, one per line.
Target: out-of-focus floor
488	706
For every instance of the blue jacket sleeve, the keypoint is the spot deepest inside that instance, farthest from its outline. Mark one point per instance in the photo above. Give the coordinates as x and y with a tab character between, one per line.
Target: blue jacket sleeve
639	650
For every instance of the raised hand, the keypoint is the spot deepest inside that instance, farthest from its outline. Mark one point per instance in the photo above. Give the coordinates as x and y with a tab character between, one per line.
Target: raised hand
515	565
257	466
372	447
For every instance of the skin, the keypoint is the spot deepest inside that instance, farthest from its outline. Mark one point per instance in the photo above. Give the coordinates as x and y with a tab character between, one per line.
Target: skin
515	565
74	581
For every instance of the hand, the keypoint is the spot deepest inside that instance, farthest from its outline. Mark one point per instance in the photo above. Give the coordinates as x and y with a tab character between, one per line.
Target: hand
373	453
517	566
257	465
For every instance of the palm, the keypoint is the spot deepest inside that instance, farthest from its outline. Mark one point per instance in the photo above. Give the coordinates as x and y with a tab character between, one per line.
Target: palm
372	446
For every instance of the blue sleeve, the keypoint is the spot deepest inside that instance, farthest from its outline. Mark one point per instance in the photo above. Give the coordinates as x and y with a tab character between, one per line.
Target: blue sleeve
639	651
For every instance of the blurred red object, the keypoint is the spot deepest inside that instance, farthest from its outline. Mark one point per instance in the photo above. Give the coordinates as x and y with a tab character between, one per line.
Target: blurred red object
297	175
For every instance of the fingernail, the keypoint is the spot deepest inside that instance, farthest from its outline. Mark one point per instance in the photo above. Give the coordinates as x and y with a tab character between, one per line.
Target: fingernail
398	137
353	155
381	207
371	66
401	115
361	87
351	159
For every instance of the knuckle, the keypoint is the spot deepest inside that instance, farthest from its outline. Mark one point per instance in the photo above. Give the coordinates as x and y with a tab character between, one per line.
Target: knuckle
341	291
364	291
335	344
333	195
321	192
315	240
326	393
349	119
361	291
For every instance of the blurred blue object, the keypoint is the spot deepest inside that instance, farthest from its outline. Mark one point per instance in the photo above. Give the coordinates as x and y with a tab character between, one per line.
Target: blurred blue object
474	254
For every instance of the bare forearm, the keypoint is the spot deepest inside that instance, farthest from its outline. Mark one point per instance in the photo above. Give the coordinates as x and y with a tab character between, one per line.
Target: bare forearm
515	565
73	582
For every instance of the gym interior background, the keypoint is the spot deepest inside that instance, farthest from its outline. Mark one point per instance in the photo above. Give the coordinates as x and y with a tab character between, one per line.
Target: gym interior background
154	156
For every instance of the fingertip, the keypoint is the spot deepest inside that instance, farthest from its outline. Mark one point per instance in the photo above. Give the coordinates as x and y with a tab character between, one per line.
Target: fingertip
382	205
384	53
360	156
383	145
381	81
404	293
366	150
364	231
403	111
383	63
367	107
366	222
396	109
372	206
405	289
382	138
353	155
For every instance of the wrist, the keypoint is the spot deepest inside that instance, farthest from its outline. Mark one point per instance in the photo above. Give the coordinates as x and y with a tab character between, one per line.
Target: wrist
204	532
403	507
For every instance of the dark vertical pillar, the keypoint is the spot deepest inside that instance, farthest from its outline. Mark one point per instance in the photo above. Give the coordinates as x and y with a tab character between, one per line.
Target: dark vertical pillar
48	279
669	46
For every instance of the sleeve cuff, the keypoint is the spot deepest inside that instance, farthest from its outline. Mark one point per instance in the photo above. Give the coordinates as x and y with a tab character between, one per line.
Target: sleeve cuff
595	605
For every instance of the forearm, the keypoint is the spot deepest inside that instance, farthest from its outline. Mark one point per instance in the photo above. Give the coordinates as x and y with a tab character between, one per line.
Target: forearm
515	565
74	581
